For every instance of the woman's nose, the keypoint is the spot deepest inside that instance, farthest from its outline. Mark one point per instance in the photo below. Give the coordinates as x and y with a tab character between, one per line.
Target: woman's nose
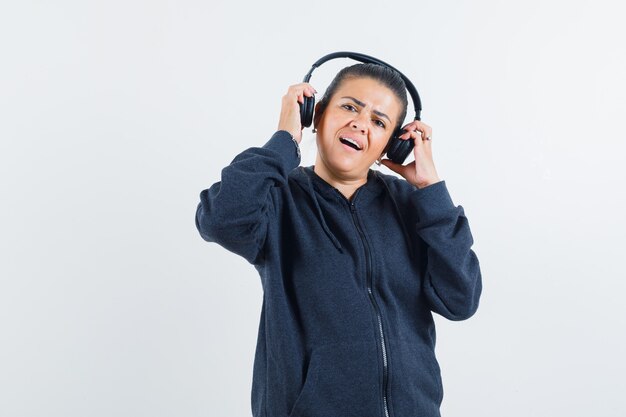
360	123
356	126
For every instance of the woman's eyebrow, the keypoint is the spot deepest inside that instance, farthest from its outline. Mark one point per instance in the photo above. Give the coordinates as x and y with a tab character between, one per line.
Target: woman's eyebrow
360	103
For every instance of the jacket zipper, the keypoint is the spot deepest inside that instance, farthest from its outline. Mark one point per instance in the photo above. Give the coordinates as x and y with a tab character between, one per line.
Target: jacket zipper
373	300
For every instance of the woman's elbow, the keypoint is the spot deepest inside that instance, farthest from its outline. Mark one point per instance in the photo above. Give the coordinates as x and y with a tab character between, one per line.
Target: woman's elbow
463	312
205	224
459	303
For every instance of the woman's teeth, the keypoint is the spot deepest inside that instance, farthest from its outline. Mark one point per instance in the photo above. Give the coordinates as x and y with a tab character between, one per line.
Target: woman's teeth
350	142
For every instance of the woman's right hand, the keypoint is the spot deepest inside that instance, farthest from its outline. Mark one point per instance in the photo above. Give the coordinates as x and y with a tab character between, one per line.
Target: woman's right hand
290	111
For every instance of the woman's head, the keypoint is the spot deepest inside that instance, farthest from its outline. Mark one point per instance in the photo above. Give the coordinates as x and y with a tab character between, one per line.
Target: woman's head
384	75
365	103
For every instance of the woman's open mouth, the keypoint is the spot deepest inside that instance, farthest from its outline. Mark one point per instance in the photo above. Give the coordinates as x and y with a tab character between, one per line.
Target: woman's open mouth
350	143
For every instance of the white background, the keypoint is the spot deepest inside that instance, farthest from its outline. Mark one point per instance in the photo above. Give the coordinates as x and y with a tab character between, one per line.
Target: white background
115	115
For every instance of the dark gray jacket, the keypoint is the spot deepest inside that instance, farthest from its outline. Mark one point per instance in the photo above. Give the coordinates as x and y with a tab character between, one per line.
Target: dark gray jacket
349	286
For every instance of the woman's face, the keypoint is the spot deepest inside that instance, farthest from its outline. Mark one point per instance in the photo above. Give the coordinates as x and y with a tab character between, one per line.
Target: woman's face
365	111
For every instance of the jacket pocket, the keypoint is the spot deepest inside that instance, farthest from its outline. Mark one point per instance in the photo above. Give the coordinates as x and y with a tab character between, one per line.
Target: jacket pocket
344	379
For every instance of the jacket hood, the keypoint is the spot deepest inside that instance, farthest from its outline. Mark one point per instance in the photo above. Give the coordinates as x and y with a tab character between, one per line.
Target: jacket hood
316	187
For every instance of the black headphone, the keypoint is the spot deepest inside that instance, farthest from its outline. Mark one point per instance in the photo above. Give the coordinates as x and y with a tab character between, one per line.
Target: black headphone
397	149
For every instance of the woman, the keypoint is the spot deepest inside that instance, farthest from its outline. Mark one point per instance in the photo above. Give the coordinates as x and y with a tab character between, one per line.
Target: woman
353	262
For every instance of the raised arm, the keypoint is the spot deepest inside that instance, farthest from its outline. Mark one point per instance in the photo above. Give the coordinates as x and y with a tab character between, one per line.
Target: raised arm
453	281
235	211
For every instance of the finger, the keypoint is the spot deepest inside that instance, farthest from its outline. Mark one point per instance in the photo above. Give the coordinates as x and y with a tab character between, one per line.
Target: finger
301	89
406	134
425	134
414	125
417	140
420	127
427	131
413	134
305	88
300	95
309	87
395	167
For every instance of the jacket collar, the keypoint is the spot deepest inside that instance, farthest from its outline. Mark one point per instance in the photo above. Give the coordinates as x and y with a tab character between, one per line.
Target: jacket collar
376	183
371	188
315	186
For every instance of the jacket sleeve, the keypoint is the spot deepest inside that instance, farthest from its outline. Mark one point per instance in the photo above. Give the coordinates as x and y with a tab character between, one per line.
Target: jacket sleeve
453	281
235	212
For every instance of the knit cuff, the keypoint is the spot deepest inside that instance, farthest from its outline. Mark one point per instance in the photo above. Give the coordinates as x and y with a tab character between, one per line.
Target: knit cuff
278	143
432	200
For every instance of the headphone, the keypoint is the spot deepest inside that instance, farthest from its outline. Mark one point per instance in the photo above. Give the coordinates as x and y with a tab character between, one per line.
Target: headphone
397	149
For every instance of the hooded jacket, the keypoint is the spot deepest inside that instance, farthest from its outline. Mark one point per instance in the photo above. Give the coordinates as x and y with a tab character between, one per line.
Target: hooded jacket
349	286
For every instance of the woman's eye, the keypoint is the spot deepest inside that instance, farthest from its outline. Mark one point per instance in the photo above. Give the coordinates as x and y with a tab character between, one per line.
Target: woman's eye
350	107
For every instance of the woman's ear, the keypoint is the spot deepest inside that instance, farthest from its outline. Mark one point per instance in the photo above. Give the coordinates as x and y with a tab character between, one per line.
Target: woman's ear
317	114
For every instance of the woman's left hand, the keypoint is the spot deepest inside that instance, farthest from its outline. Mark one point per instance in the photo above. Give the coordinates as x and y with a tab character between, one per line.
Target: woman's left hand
421	172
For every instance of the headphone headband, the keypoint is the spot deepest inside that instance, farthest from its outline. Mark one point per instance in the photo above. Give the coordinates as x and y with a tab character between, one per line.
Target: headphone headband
417	103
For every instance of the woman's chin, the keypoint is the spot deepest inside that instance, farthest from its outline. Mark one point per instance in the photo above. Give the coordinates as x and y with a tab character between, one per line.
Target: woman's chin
346	165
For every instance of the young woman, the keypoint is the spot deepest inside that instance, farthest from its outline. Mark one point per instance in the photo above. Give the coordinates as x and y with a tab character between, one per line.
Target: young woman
353	262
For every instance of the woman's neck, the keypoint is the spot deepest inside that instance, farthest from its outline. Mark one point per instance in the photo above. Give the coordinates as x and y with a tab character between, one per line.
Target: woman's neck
346	186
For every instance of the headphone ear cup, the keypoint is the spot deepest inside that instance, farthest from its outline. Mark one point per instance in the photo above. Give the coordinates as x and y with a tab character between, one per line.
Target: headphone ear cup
399	149
306	111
